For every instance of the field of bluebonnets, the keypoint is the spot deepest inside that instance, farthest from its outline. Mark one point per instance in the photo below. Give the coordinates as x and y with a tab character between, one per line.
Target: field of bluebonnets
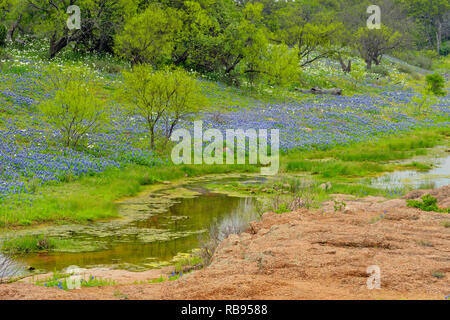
32	153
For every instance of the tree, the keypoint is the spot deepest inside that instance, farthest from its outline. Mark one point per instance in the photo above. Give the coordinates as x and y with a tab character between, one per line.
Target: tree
373	43
163	98
197	28
149	37
185	101
100	19
75	110
311	27
432	15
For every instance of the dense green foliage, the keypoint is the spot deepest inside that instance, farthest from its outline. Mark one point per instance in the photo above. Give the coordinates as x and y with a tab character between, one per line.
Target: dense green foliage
3	32
235	40
436	83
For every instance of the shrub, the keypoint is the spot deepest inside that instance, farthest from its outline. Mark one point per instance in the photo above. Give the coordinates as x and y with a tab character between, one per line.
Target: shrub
75	111
445	48
3	32
435	84
380	70
428	203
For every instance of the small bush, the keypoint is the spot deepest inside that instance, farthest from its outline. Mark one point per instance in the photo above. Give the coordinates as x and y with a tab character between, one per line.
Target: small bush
439	274
380	70
3	32
445	48
428	203
435	84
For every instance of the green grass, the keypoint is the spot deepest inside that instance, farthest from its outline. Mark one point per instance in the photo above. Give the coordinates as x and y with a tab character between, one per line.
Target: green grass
335	168
191	261
367	158
92	197
32	243
389	148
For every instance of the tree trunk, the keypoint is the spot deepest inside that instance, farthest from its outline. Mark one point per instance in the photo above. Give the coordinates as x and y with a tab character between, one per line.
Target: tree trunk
333	91
232	66
345	68
57	46
182	58
439	36
12	29
152	137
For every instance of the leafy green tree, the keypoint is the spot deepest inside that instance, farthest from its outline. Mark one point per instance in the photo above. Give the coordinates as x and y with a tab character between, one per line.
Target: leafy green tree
281	65
432	14
100	19
75	110
163	98
198	26
149	37
311	27
13	12
373	43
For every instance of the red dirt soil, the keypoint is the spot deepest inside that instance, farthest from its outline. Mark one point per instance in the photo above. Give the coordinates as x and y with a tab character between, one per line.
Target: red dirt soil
304	254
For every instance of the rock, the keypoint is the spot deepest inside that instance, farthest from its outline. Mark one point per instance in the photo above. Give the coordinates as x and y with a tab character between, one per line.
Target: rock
333	91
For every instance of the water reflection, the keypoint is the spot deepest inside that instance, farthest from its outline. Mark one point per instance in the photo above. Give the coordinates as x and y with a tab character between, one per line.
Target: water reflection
9	267
134	248
437	177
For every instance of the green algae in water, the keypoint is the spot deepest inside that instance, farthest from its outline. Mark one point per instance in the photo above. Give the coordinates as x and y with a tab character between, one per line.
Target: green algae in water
154	229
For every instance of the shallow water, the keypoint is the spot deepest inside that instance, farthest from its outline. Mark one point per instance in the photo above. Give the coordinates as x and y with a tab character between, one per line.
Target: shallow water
437	177
157	228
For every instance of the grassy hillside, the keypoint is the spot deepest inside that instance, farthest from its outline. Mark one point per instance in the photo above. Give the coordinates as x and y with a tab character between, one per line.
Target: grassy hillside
382	116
